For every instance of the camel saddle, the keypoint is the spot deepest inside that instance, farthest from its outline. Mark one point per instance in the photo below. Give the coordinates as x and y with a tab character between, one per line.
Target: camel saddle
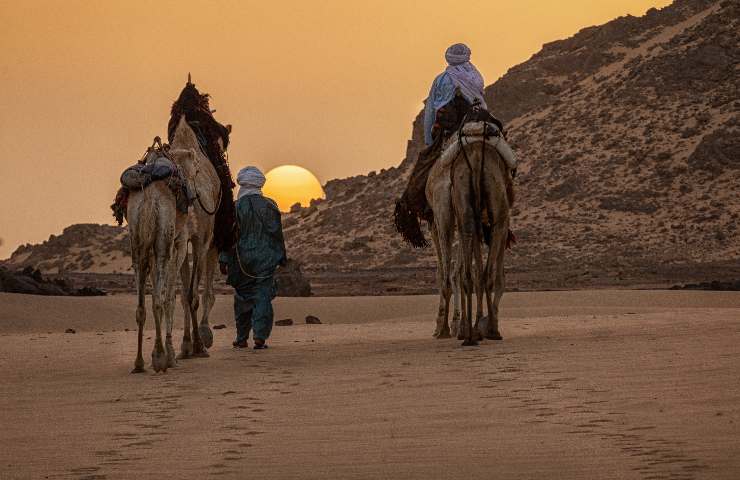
155	166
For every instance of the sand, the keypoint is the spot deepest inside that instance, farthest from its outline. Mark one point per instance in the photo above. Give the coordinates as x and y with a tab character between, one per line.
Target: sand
591	384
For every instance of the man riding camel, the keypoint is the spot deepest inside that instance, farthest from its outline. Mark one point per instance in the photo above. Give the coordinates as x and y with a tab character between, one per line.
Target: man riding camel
456	96
462	84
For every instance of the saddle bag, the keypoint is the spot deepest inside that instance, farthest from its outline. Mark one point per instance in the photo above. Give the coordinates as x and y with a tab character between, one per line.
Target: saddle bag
141	175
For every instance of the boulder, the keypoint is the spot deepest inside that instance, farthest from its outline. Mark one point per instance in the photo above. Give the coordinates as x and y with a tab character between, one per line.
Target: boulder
291	282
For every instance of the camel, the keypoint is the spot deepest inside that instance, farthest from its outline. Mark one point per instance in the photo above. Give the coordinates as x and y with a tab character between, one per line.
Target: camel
155	231
199	231
470	185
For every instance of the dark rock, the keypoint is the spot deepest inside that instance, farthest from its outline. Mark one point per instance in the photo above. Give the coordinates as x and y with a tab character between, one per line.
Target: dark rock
90	292
291	282
70	330
30	281
714	285
311	320
718	151
220	326
284	323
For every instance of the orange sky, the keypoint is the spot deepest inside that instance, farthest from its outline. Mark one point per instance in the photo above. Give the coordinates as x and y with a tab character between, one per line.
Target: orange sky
331	86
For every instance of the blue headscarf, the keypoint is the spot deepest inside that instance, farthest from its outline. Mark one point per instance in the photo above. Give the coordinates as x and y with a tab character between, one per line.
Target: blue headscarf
460	75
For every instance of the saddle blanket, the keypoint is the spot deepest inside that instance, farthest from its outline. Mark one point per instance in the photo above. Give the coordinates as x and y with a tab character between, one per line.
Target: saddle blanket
494	137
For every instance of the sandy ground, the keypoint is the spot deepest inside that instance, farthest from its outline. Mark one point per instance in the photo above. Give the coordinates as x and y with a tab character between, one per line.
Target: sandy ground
592	384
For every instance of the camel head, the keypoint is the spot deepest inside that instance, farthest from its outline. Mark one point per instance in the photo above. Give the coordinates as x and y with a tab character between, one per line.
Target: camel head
186	159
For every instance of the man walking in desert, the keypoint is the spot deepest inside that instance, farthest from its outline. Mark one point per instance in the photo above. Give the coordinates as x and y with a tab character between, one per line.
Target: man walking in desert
250	266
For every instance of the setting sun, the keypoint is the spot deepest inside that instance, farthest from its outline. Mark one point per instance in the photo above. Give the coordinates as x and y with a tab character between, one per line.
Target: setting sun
290	184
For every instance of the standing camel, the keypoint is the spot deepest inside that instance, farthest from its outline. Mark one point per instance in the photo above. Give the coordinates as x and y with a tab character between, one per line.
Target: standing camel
156	229
199	233
211	224
468	186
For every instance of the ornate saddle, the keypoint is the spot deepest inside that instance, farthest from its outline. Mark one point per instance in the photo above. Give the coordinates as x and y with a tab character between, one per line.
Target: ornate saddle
154	166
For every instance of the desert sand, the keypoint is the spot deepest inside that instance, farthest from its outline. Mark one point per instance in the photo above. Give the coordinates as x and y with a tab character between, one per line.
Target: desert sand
589	384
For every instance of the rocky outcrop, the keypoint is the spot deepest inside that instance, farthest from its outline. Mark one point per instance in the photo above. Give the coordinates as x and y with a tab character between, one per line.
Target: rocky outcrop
86	247
31	281
627	137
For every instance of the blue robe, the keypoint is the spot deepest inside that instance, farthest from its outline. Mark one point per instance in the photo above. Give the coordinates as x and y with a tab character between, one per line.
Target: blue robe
441	93
252	264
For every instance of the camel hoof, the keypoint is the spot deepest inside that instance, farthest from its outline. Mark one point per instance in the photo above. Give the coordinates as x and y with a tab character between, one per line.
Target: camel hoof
206	335
186	350
444	332
159	360
138	370
469	342
199	351
494	336
171	357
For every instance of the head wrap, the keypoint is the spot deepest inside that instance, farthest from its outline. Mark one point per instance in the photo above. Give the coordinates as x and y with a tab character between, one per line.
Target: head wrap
464	74
250	180
457	54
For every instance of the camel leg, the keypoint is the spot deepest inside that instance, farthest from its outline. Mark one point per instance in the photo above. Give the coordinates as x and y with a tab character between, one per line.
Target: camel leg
465	331
467	283
478	282
497	203
445	243
488	288
455	278
159	278
186	347
498	249
440	284
169	316
179	252
209	299
140	272
466	228
442	329
199	349
456	300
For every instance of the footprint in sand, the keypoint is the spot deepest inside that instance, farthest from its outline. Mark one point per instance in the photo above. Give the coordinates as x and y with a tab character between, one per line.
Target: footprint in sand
87	473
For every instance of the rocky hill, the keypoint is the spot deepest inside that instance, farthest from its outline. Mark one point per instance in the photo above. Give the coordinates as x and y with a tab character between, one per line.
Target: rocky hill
630	159
86	247
628	135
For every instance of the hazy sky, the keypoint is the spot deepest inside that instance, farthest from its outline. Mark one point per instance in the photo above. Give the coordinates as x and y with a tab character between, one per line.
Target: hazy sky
331	86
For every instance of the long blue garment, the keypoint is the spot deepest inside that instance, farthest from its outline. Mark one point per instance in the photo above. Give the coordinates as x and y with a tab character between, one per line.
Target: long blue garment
463	77
252	263
441	93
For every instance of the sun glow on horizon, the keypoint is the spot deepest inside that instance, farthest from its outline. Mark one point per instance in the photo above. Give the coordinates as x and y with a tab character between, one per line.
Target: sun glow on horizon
291	184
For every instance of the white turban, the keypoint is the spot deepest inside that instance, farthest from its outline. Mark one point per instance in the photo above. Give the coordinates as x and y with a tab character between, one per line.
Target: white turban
457	54
250	180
